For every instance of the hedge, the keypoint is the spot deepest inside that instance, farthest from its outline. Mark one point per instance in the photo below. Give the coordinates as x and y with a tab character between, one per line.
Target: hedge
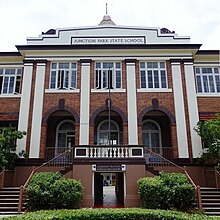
167	191
110	214
51	191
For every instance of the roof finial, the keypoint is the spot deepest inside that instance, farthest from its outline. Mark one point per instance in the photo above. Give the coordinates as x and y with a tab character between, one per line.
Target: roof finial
106	9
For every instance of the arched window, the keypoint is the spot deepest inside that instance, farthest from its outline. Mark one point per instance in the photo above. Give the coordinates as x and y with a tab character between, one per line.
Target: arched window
103	133
65	135
151	135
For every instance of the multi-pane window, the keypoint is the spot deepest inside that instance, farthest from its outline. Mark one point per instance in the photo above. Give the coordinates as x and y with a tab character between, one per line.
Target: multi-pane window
208	79
108	74
63	76
153	75
10	81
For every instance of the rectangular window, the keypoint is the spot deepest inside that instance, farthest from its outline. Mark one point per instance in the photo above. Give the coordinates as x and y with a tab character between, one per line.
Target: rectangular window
153	75
108	74
207	80
10	81
63	76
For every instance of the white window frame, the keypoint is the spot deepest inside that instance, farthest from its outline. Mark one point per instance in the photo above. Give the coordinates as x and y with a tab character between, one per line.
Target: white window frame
211	74
153	69
102	71
10	88
153	131
58	131
64	72
99	132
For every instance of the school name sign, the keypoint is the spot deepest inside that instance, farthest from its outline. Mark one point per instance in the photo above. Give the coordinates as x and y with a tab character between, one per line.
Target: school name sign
107	40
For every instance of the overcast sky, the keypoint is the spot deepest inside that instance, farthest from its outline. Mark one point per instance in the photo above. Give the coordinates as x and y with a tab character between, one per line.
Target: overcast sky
199	19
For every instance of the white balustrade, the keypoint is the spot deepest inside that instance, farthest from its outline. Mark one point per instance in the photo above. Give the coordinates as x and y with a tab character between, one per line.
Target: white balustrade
111	152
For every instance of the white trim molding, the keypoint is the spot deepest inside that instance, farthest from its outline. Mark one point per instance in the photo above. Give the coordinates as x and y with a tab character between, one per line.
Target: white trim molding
131	104
25	105
179	111
37	111
192	109
84	104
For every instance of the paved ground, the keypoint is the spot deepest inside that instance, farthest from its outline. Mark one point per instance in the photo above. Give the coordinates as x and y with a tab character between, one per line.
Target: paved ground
109	197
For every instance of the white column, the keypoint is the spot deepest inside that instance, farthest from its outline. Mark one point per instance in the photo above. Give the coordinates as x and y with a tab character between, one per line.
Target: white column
192	108
132	104
25	105
179	111
84	104
37	111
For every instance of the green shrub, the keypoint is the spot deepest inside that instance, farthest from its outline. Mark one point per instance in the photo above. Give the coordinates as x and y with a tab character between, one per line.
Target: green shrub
148	187
67	193
51	190
168	191
39	190
110	214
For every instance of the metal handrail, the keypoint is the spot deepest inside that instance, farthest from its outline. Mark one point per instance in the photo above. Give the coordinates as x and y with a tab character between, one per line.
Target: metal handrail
2	178
197	187
163	158
23	187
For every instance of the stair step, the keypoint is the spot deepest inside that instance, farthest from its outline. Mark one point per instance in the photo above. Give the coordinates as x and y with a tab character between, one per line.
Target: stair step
211	200
211	204
211	191
211	196
9	192
9	213
212	213
9	196
10	188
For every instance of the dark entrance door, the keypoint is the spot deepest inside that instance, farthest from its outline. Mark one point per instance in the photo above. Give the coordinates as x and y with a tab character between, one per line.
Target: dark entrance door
109	195
119	188
98	188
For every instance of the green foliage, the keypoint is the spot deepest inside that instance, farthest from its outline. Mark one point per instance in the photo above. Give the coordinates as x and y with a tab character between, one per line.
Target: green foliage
51	190
67	193
209	131
147	187
8	137
168	191
110	214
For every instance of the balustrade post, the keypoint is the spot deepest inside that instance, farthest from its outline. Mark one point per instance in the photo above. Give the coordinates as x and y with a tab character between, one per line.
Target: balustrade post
95	152
126	152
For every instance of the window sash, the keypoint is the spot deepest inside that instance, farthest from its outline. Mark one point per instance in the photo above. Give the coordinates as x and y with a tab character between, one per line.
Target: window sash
10	80
108	74
207	80
63	76
153	75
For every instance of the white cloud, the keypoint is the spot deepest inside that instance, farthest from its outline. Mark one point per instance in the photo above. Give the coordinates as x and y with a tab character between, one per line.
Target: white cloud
25	18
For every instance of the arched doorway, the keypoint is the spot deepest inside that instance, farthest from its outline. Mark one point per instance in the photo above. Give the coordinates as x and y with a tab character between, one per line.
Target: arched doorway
60	133
101	128
156	134
151	135
65	136
108	133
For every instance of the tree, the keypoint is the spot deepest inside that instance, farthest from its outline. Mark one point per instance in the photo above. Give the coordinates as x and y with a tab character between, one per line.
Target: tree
209	131
8	138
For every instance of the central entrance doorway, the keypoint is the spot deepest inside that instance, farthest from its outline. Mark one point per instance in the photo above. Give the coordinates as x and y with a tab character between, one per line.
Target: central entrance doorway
108	190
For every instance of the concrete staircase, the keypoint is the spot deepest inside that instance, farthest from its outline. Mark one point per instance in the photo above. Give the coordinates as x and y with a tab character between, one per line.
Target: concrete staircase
210	200
9	199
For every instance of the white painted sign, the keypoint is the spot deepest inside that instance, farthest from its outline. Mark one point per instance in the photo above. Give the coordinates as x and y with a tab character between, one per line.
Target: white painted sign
108	40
